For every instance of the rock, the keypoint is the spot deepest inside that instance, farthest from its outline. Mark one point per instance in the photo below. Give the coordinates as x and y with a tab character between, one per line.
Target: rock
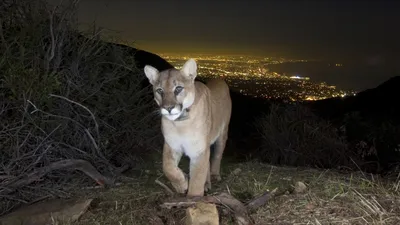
310	206
202	214
300	187
58	210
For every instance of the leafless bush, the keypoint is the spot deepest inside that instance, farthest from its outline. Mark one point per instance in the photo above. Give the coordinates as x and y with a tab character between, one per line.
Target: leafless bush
64	96
375	140
293	135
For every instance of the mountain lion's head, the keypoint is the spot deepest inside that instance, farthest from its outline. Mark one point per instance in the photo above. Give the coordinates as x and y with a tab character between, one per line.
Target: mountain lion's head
173	89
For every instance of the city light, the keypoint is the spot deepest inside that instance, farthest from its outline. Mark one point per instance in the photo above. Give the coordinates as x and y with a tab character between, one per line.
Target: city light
252	76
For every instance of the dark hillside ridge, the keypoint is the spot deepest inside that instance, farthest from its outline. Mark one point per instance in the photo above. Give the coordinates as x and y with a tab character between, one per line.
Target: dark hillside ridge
144	58
377	120
379	103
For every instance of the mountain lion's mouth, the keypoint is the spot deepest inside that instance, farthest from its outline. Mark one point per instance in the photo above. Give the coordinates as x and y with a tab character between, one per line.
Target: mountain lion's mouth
182	115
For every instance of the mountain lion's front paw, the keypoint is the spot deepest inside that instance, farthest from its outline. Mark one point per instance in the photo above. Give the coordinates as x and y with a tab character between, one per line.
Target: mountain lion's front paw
181	187
207	187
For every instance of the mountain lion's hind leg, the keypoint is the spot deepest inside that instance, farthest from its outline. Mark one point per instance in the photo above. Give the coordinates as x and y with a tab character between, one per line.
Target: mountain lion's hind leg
171	170
217	156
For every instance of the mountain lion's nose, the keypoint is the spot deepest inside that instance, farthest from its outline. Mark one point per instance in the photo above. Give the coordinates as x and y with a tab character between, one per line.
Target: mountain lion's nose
169	108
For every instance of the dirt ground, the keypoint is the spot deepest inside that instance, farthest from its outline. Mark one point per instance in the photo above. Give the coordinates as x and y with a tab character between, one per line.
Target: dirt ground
331	197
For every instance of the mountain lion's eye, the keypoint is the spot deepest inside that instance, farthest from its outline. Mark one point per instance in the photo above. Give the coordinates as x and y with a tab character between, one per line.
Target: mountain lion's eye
178	90
160	91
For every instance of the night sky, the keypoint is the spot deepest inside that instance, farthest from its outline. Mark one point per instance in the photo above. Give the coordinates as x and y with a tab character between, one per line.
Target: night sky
341	30
292	28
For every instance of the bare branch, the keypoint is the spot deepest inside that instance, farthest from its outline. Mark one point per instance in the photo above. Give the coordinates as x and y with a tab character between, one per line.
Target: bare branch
170	192
261	200
84	107
224	199
240	210
69	164
52	47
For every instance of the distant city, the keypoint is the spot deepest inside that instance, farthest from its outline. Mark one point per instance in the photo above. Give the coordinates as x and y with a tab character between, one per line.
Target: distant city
251	76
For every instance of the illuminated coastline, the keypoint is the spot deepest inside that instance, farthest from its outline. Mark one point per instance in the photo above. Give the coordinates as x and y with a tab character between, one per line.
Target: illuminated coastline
251	76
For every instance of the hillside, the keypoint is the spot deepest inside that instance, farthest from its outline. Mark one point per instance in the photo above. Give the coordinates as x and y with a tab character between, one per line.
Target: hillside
376	102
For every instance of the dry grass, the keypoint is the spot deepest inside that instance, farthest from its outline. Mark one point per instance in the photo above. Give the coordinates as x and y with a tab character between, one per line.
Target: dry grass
331	197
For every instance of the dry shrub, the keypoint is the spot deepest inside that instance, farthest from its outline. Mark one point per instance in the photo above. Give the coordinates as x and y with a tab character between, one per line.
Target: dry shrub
65	96
375	140
293	135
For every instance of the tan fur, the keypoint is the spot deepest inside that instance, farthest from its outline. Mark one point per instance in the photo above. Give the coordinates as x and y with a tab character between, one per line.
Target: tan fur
205	123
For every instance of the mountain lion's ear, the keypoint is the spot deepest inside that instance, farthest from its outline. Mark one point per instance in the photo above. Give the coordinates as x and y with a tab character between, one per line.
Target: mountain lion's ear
151	73
190	68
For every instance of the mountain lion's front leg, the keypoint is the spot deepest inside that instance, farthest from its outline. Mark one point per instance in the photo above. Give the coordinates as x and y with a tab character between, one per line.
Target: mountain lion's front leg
199	172
171	170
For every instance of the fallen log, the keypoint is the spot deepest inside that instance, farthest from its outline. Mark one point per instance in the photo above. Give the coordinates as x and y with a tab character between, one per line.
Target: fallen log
239	210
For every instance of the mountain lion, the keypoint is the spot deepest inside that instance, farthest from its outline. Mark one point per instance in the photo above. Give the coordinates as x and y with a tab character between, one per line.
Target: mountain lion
194	116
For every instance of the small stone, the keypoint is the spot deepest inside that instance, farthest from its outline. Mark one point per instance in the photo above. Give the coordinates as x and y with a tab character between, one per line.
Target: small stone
300	187
202	214
310	206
